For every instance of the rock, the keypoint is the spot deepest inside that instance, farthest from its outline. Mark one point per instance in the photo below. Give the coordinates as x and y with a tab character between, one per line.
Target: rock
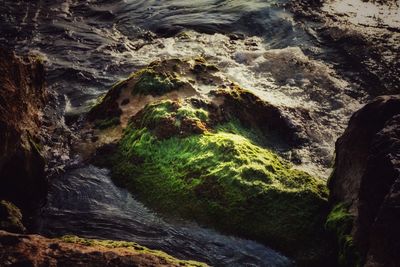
253	112
35	250
204	156
22	99
366	181
10	217
368	47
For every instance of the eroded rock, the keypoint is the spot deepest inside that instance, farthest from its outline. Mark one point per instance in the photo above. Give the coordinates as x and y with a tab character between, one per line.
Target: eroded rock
366	183
22	99
35	250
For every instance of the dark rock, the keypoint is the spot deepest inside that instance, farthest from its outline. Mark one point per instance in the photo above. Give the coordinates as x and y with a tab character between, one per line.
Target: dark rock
253	112
22	99
10	217
367	180
35	250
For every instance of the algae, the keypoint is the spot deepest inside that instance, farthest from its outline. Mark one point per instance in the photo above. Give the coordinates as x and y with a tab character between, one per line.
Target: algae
222	178
10	217
340	223
154	83
129	245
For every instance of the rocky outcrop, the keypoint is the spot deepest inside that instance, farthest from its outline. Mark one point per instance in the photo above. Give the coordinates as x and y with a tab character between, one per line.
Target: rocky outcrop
10	217
366	182
368	45
35	250
22	99
200	151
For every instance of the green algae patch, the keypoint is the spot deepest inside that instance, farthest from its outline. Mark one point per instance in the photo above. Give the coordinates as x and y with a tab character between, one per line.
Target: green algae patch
155	83
340	223
223	178
129	245
168	118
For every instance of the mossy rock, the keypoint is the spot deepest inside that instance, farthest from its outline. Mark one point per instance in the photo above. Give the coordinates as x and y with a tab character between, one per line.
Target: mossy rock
222	177
154	83
172	118
10	217
340	223
133	246
173	76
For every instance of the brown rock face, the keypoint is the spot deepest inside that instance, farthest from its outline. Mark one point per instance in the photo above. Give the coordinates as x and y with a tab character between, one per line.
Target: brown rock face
367	178
22	97
35	250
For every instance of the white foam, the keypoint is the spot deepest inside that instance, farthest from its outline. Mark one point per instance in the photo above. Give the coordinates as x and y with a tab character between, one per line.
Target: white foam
284	77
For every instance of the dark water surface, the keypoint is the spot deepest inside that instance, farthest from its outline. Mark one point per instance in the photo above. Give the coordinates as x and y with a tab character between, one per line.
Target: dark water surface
85	202
89	45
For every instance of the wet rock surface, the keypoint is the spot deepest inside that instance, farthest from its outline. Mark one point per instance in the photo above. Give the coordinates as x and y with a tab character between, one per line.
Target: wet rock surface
34	143
366	180
22	100
35	250
207	155
366	33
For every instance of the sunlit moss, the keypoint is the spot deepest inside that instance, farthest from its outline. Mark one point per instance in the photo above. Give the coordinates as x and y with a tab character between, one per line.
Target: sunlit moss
129	245
222	178
154	83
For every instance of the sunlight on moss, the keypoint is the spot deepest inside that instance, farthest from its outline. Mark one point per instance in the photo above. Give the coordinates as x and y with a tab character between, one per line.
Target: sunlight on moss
129	245
150	82
222	174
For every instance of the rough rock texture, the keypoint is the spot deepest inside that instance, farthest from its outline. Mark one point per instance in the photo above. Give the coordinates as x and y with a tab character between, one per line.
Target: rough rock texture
367	179
22	98
35	250
253	112
370	47
10	217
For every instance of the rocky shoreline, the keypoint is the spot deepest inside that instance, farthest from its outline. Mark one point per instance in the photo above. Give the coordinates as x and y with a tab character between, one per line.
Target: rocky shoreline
189	142
34	145
368	44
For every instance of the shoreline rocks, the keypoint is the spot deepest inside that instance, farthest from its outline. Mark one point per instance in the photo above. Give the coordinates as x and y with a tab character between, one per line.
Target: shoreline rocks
22	99
369	47
35	250
205	157
33	146
365	184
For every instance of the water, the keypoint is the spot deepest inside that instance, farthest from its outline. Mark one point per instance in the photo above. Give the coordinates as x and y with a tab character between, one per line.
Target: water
89	45
85	202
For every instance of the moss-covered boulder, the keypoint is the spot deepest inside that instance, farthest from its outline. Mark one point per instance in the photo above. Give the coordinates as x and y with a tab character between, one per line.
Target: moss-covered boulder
364	187
206	156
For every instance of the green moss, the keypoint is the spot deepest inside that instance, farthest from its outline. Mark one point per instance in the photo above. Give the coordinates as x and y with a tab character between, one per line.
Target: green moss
340	222
154	83
10	217
156	112
106	123
168	118
224	179
129	245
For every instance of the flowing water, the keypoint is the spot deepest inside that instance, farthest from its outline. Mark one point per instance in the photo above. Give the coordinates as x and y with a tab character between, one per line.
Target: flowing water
89	45
85	202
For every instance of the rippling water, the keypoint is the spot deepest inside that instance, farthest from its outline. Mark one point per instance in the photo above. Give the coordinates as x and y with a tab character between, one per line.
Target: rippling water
89	45
85	202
